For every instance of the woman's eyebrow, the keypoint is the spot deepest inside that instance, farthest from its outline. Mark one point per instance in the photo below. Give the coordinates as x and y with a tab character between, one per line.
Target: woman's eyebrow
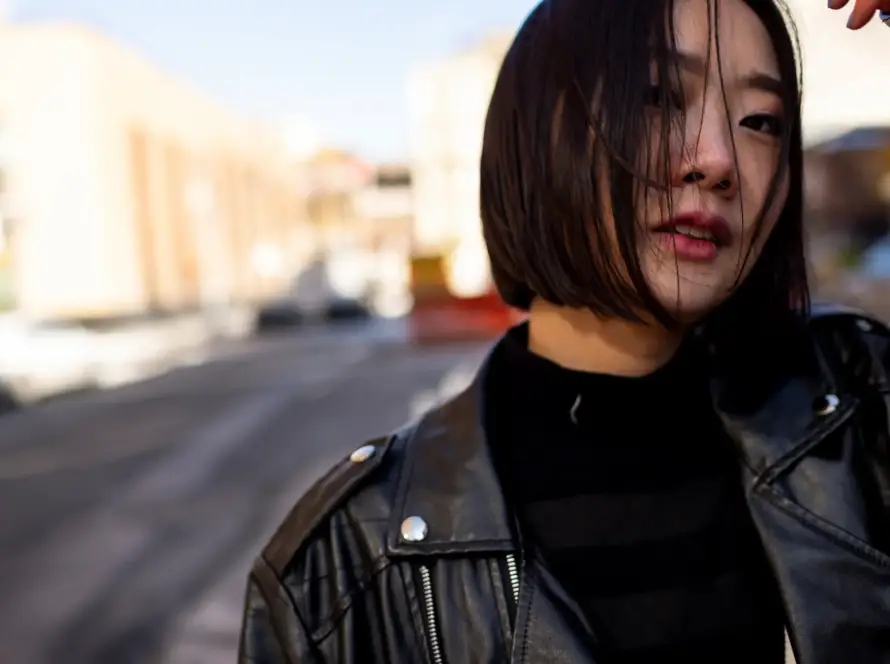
755	79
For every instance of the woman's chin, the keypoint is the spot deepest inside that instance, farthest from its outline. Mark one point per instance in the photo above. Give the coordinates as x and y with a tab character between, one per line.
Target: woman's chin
691	302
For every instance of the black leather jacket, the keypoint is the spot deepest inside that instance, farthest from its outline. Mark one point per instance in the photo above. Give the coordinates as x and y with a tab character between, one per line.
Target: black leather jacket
350	578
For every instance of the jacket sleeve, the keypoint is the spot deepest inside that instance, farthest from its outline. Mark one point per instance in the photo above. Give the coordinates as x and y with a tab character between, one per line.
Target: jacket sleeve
272	631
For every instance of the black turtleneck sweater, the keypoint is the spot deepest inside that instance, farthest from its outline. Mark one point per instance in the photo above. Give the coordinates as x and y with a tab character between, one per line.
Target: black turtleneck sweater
631	496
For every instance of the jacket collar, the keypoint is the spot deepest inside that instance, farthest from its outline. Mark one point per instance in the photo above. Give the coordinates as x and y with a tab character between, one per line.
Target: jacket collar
776	423
773	436
449	480
448	477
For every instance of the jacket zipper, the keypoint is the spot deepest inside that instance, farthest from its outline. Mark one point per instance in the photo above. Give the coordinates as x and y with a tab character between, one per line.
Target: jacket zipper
513	572
429	602
430	608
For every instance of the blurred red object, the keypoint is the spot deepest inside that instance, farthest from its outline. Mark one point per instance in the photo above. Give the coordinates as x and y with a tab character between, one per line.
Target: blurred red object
448	318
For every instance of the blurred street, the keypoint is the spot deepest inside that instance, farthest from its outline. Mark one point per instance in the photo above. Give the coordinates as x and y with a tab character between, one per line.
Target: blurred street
128	518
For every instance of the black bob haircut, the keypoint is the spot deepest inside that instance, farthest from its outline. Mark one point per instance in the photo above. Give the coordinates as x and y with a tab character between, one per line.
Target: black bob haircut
582	68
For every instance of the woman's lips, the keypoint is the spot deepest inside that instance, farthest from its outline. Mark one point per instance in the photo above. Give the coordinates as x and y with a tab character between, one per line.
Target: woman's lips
695	236
689	248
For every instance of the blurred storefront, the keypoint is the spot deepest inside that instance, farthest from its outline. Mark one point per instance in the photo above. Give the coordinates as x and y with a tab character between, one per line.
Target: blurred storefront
125	191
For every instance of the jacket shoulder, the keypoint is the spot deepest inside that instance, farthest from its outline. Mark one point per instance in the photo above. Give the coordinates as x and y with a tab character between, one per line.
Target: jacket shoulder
368	474
845	325
854	344
832	314
325	553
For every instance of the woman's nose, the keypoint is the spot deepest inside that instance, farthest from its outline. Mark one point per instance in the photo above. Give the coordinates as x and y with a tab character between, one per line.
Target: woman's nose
710	162
694	176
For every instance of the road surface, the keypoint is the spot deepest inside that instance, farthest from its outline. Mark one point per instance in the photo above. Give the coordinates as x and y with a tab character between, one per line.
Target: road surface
128	518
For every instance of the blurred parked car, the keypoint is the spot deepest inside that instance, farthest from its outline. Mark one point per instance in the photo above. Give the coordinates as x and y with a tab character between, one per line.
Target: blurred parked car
327	290
43	358
282	313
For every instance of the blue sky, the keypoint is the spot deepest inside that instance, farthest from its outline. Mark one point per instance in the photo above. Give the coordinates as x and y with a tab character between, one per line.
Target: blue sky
341	64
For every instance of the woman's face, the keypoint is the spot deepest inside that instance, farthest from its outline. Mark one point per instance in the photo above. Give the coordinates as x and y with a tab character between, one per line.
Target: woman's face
721	163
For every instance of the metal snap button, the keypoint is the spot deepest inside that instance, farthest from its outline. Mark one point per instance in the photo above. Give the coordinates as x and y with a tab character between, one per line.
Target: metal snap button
826	405
414	529
362	454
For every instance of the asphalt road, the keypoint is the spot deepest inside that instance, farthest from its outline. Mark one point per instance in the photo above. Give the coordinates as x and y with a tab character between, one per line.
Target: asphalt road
128	518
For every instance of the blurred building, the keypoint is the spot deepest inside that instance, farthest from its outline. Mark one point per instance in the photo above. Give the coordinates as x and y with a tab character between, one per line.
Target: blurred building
360	219
844	86
330	180
386	203
847	178
448	101
125	191
847	197
451	286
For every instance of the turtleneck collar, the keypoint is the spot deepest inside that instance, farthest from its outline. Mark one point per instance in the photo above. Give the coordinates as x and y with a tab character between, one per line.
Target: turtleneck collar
535	382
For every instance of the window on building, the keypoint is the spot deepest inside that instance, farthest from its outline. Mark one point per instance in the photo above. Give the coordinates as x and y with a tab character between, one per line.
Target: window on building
393	178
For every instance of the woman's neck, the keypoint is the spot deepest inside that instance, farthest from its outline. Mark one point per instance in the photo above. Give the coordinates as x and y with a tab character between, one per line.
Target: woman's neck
578	340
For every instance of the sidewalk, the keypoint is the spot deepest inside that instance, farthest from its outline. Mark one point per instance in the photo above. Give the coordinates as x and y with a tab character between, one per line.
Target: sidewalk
132	352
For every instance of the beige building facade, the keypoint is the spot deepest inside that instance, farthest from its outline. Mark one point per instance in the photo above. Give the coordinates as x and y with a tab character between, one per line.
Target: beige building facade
125	191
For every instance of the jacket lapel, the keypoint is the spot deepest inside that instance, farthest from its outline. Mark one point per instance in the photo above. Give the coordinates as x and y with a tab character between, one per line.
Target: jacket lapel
801	450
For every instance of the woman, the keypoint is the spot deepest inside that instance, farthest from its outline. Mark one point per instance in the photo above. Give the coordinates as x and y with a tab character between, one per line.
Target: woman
671	460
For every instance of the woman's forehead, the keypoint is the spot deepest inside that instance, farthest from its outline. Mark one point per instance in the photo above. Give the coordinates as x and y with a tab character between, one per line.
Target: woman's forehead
726	33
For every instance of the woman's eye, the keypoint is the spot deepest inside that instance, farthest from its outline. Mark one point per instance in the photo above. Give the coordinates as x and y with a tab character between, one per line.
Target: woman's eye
659	96
765	123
